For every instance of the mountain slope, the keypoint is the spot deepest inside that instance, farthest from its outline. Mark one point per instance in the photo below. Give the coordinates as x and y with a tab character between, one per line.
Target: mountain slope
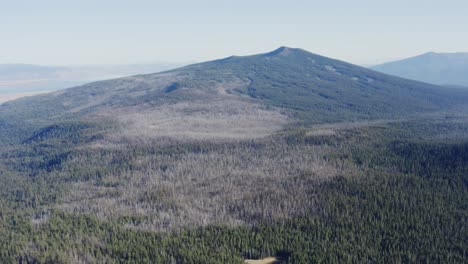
305	86
436	68
303	81
16	78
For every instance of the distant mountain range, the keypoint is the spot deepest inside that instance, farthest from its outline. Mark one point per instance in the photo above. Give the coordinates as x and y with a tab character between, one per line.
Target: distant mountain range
435	68
22	78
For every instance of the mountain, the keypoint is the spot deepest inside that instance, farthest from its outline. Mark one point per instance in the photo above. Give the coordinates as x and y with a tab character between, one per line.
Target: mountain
431	67
307	87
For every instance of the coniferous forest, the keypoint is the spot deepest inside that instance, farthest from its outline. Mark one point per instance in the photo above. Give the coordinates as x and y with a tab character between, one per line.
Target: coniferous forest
395	198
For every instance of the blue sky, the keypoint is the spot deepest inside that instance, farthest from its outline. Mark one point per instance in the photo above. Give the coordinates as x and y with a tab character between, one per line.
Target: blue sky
70	32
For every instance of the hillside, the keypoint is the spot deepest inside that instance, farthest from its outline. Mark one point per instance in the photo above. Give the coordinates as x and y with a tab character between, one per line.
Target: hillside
306	87
431	67
21	78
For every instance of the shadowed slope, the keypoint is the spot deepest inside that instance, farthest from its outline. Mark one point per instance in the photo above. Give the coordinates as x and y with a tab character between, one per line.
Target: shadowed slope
327	89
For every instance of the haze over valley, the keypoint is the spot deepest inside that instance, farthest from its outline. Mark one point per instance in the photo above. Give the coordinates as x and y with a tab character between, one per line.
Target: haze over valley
19	80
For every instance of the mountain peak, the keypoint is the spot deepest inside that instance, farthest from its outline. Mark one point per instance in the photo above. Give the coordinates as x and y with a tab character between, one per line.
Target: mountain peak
429	53
283	50
443	54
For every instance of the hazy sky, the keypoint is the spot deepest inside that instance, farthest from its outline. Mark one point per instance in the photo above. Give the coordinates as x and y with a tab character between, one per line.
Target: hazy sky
132	31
